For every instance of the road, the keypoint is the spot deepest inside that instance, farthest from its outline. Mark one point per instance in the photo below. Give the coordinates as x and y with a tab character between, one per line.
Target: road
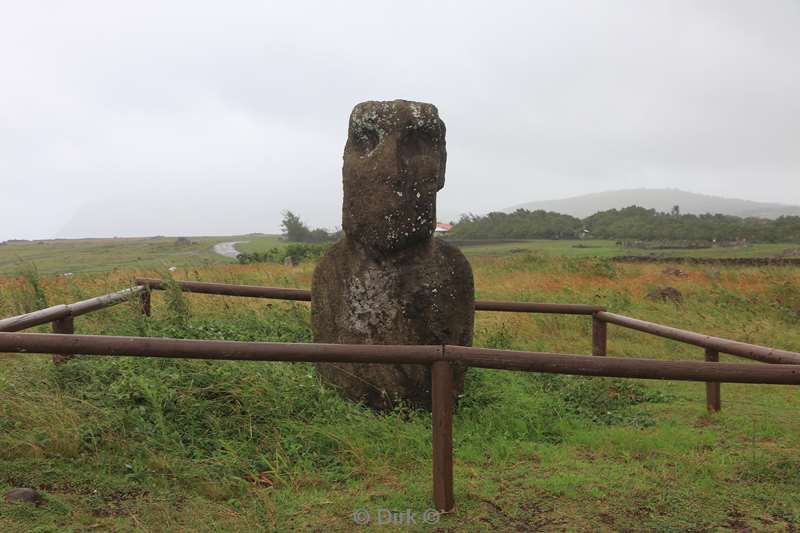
227	249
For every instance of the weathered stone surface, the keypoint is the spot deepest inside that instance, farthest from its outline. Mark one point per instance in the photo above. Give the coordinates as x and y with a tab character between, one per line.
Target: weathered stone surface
677	272
731	261
394	164
24	495
388	281
665	294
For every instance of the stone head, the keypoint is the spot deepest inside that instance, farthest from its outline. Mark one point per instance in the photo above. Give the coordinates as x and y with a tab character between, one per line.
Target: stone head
394	164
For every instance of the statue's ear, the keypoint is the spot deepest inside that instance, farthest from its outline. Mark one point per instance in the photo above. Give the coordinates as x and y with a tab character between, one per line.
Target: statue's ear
443	156
442	166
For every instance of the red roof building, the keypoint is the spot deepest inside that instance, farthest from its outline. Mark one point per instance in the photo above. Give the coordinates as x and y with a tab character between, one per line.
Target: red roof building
442	228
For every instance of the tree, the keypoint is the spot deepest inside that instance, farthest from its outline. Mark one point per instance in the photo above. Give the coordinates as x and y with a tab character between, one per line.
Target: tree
628	223
294	229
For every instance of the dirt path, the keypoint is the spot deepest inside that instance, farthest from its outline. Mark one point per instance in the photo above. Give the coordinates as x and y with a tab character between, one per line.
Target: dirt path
227	249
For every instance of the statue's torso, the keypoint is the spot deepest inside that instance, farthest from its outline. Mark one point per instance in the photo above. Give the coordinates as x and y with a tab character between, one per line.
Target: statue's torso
420	295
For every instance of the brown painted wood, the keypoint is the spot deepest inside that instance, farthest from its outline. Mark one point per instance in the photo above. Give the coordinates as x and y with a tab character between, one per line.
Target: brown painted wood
526	307
742	349
64	343
279	293
222	350
100	302
227	289
442	392
145	301
64	326
44	316
713	394
599	337
36	318
622	367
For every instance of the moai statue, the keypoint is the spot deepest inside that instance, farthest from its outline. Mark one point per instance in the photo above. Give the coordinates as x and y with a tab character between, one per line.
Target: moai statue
389	281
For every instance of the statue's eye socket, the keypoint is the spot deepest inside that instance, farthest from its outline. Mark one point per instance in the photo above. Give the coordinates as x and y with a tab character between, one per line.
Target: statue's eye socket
416	143
366	139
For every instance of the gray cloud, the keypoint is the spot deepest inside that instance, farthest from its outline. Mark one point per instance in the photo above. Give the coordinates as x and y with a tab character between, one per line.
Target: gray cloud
212	119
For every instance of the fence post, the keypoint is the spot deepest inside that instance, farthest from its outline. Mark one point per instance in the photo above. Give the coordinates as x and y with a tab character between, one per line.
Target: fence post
713	399
144	300
65	326
442	411
599	336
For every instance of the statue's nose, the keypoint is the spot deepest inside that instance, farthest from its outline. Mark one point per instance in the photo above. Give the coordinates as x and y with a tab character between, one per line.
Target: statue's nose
387	156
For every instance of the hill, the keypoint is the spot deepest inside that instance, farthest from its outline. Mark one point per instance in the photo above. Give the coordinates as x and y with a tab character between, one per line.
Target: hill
629	223
660	200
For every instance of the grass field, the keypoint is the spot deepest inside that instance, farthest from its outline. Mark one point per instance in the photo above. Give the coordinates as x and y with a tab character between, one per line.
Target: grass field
125	444
260	243
58	256
101	255
604	248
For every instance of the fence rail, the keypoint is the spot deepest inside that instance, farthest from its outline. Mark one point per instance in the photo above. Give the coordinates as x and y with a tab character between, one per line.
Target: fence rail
277	293
784	367
228	289
741	349
600	316
555	363
58	312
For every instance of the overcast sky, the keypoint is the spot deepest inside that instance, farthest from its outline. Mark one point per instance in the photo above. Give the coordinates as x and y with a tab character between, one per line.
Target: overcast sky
188	118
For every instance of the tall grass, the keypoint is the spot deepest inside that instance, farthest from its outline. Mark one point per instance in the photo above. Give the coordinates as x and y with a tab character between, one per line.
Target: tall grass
27	294
151	444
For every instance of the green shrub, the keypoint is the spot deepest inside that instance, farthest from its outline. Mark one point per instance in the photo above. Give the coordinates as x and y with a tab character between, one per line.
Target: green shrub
178	310
297	252
785	294
499	338
602	400
537	262
29	295
595	266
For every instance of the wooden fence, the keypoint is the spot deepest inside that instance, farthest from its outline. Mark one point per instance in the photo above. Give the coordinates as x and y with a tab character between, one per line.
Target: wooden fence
63	342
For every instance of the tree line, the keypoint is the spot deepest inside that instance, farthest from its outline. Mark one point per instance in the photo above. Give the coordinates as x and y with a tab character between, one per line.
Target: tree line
629	223
295	230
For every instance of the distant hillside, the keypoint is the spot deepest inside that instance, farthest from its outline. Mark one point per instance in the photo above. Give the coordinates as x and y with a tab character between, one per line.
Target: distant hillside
660	200
629	223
